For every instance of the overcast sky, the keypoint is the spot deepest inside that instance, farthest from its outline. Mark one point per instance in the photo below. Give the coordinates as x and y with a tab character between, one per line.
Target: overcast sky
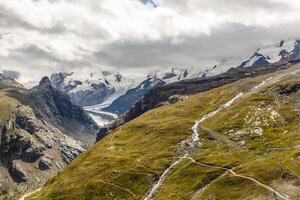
39	37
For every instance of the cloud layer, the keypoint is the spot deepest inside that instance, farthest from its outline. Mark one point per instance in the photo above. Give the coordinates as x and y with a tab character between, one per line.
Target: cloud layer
39	37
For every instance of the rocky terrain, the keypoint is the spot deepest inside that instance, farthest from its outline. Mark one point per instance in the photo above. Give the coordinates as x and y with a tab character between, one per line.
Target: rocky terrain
33	140
55	107
186	150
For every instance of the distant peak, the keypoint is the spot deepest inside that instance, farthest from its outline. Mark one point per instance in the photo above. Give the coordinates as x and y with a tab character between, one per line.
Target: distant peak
281	43
45	81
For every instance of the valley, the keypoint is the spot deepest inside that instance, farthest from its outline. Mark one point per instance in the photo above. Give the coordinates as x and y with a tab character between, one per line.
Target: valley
149	100
156	154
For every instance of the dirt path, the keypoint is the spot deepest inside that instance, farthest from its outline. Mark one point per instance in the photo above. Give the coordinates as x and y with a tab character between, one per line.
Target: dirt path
272	190
156	186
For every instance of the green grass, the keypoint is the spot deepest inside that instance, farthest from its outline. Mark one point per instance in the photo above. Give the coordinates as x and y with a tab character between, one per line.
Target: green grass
267	157
7	106
134	155
126	163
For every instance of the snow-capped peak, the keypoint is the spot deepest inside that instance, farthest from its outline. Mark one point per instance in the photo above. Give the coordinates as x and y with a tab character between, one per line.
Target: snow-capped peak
176	74
274	53
289	49
92	88
224	66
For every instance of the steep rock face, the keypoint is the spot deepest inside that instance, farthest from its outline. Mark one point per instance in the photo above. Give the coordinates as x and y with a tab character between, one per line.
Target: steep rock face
56	108
33	141
256	60
31	150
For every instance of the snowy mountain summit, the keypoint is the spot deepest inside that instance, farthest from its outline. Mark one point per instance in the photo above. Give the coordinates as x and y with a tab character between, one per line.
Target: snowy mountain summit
86	89
284	50
111	92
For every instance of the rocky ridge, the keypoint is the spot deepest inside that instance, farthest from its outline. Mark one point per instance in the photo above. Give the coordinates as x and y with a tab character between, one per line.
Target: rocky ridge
56	107
32	149
34	129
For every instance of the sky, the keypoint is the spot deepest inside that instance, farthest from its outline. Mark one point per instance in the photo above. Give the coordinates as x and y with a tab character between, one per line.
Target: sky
134	37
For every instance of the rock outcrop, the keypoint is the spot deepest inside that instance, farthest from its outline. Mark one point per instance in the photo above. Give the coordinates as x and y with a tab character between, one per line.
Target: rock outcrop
37	131
56	108
30	147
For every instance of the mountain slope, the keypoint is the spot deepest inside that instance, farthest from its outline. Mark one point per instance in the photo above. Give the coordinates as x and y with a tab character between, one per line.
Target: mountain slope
164	94
125	102
92	88
255	150
55	107
32	146
283	51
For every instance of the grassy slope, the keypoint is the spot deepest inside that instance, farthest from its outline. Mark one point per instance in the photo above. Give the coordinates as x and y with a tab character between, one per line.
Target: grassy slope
7	105
125	164
272	158
11	95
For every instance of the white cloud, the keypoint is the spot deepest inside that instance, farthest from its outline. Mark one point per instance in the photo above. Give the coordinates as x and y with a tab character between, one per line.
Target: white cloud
52	35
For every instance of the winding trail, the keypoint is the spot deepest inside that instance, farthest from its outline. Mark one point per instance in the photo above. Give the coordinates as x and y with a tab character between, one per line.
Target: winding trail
157	185
195	142
241	176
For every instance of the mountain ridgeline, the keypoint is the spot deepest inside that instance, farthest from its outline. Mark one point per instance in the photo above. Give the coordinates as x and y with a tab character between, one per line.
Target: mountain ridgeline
111	92
177	91
56	107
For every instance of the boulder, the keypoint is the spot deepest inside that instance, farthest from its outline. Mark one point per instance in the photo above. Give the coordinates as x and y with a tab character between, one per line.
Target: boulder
45	163
176	98
70	149
17	172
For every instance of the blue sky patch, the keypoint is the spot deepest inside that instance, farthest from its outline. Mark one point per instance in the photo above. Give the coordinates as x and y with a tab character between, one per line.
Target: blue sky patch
150	2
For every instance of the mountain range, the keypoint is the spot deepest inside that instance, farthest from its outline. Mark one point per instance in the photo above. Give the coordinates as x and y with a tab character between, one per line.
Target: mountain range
107	95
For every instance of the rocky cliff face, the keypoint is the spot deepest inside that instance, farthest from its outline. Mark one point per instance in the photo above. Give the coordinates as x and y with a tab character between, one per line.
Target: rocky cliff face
9	83
31	150
34	129
56	108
